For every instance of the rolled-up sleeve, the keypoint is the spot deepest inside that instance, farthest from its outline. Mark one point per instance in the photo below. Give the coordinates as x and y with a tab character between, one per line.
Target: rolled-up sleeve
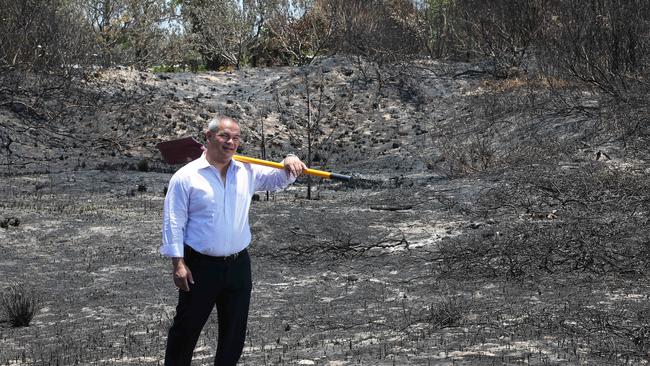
174	218
271	179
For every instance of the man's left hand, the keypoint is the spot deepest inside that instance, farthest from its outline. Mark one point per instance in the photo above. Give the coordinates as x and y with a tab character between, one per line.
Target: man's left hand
293	165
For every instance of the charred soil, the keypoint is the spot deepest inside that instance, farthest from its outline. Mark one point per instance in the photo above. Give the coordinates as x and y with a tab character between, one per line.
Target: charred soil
490	221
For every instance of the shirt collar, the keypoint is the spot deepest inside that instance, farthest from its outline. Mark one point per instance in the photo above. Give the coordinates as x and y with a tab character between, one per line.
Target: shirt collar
203	163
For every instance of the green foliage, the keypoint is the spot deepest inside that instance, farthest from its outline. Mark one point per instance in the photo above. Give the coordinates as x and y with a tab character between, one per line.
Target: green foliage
604	44
436	13
222	32
129	31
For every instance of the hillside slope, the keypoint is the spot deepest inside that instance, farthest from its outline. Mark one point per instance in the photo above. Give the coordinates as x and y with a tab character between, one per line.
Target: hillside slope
491	220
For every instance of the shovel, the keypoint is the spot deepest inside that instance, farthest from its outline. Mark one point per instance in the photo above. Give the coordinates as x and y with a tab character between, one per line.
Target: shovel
187	149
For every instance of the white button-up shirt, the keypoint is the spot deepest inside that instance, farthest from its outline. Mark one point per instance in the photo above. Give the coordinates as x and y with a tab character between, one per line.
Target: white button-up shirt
207	215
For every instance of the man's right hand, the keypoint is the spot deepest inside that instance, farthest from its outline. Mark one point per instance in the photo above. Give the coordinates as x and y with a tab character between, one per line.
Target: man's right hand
182	274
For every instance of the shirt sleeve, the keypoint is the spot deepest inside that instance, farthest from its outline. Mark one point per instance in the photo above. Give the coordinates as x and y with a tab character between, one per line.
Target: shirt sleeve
174	218
271	179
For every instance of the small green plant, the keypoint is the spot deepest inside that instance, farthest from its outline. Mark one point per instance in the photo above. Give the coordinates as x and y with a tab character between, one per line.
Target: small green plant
19	304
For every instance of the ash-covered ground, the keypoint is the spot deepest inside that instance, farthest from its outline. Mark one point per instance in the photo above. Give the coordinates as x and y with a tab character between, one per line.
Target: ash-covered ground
490	221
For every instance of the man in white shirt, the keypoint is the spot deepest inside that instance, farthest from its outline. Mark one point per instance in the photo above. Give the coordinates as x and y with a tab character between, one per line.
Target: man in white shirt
206	233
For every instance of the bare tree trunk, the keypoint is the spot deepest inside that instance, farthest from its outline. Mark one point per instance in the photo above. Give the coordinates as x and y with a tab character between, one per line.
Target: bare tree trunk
309	133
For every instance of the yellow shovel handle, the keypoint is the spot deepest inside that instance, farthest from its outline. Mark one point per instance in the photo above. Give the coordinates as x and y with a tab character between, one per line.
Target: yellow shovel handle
272	164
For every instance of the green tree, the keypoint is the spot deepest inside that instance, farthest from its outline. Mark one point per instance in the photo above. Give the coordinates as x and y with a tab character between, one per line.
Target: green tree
132	32
224	31
298	31
436	13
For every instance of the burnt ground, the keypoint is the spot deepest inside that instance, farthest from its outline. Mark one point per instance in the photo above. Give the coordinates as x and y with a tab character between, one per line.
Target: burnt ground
490	221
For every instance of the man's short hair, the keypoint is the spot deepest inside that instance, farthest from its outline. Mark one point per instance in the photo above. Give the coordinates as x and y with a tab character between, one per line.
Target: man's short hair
214	123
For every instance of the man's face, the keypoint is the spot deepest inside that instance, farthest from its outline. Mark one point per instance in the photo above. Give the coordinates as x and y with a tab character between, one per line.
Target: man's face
223	143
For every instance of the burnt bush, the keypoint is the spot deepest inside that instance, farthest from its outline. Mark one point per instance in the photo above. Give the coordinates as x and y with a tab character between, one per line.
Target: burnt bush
45	47
613	334
19	304
525	250
557	221
143	165
604	44
9	221
43	37
379	29
502	32
448	312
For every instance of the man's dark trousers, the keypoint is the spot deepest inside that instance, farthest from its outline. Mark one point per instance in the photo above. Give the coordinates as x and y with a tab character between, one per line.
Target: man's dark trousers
225	283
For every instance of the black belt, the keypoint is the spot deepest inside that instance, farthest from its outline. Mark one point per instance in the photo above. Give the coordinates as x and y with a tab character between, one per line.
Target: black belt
231	257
